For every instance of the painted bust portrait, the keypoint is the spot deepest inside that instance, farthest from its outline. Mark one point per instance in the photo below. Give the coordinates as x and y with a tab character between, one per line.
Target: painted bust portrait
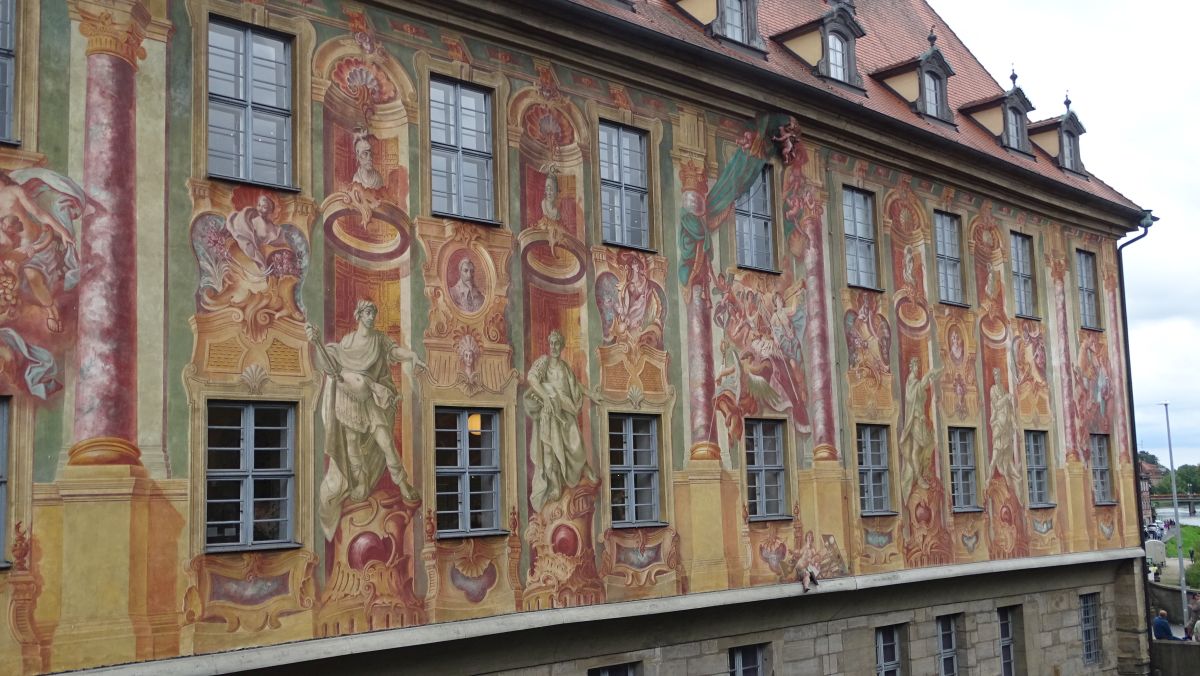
462	283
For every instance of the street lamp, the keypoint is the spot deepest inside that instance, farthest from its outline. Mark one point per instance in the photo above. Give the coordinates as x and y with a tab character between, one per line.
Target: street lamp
1178	526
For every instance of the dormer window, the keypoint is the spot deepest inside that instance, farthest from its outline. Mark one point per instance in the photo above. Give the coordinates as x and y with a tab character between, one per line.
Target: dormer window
1070	151
1059	137
934	92
735	19
836	57
1014	129
922	81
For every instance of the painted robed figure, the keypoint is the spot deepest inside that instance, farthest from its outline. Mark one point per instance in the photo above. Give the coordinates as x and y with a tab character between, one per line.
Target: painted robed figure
358	407
554	400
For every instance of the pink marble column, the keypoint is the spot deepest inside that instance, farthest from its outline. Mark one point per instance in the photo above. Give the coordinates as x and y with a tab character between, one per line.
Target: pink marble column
106	351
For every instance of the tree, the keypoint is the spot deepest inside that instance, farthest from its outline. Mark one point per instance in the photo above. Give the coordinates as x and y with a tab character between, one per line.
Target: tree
1149	458
1189	475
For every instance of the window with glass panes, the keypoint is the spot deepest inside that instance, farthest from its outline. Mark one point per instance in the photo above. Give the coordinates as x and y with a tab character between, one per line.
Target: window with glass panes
1070	151
873	468
1101	476
249	104
1089	621
1009	627
947	653
1037	467
1022	272
460	153
735	19
948	231
249	474
467	470
858	221
5	411
765	486
1016	128
748	660
836	46
962	467
8	67
756	225
888	655
933	94
1085	265
627	669
624	192
633	468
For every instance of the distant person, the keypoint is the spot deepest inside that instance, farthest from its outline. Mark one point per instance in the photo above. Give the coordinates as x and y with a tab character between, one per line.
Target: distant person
1162	628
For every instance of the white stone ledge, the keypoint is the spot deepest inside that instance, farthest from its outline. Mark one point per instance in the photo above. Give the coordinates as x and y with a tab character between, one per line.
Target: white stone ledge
315	649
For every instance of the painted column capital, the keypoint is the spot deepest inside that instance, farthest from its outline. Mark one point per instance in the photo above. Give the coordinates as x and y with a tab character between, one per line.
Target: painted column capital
115	27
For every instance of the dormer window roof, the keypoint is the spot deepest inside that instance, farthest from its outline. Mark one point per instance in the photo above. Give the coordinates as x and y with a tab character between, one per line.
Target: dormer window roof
922	81
828	43
1006	116
732	21
1059	137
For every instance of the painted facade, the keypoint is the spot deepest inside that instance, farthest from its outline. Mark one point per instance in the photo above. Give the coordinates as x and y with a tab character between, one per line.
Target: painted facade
136	289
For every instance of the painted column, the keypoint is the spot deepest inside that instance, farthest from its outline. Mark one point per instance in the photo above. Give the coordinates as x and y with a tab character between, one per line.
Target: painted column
105	430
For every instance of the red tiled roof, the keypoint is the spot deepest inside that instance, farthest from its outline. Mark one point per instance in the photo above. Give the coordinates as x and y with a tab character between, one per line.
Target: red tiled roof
897	31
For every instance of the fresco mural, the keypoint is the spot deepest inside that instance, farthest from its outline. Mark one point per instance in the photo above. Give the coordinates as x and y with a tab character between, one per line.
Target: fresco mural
350	298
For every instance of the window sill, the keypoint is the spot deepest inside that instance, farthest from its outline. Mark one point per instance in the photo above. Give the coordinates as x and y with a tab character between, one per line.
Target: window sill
755	268
770	517
468	219
1106	503
1044	505
867	515
1096	329
640	524
5	565
748	48
955	303
462	535
631	247
257	184
1021	151
10	142
1078	173
240	549
865	288
973	509
1029	317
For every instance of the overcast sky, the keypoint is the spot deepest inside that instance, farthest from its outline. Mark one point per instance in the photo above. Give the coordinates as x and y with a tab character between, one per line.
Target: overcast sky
1135	95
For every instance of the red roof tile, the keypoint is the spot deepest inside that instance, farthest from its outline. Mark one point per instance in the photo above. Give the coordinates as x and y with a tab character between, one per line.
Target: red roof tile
897	31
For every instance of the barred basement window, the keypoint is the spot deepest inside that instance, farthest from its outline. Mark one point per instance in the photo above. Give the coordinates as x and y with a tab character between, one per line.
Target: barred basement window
873	469
627	669
1085	265
1011	651
467	459
249	104
949	256
858	221
947	654
8	70
1037	468
765	486
888	651
250	474
756	225
1089	620
1101	476
1022	272
624	192
748	660
633	469
962	467
460	136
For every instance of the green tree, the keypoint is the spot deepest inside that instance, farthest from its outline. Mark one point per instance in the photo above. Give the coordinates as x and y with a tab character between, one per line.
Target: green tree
1189	475
1148	457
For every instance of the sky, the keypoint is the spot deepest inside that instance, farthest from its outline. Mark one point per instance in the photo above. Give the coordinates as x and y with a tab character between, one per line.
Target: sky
1135	94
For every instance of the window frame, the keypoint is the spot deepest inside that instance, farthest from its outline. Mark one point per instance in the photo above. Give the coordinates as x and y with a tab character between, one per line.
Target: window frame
629	469
947	626
464	472
1016	126
1086	273
964	485
758	469
645	191
740	9
737	659
248	475
854	240
946	222
1070	150
1024	305
1038	472
249	106
884	666
840	22
459	152
623	669
869	502
747	218
10	54
1102	483
1009	618
1089	624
